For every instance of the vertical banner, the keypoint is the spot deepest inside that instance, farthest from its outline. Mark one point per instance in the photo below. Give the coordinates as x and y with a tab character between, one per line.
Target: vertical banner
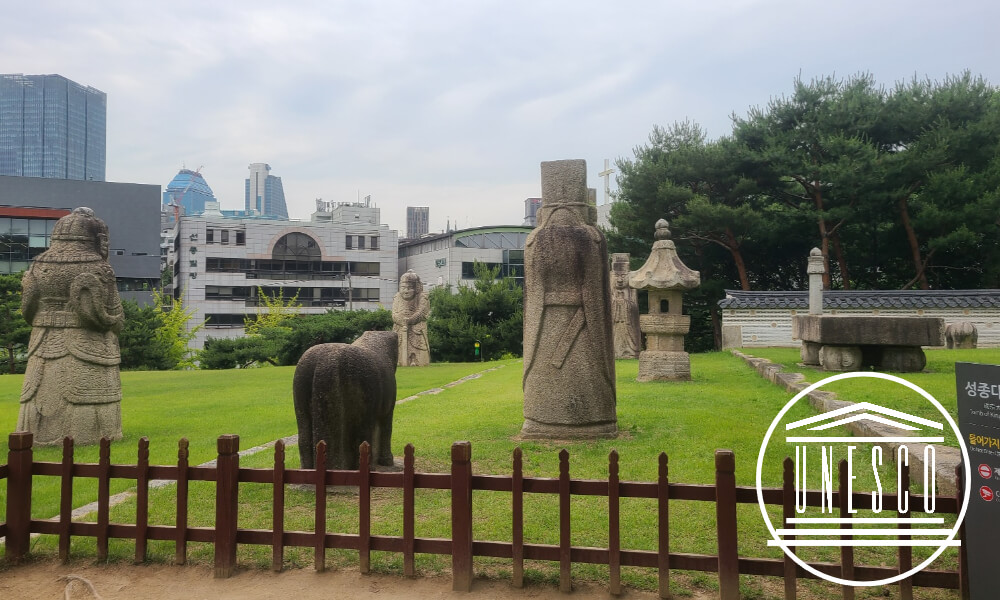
979	420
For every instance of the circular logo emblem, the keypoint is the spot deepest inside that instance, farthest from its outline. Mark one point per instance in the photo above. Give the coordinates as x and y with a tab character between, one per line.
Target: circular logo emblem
986	493
985	471
815	430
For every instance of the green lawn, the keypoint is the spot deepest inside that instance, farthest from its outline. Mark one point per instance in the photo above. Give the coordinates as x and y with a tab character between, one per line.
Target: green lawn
199	405
937	379
726	405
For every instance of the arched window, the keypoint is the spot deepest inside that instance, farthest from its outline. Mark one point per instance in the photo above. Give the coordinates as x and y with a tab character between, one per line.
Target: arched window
296	246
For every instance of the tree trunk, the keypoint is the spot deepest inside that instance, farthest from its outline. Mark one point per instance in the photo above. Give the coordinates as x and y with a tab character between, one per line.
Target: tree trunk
841	262
911	236
741	268
824	237
10	357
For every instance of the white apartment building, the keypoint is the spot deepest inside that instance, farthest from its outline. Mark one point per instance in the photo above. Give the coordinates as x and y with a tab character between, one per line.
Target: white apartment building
344	258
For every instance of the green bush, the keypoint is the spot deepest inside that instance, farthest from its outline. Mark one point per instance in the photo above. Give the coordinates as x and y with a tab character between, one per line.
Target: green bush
491	311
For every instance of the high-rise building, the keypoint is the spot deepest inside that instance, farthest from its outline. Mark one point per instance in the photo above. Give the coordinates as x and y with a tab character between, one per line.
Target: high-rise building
52	127
417	221
264	194
531	206
188	190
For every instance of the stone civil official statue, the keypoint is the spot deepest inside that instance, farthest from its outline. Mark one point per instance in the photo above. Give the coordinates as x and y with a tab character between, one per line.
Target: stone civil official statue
624	310
569	370
410	309
69	296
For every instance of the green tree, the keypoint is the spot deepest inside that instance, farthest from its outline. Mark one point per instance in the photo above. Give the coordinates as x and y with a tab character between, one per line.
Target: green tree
14	330
941	168
174	333
490	311
141	348
815	152
334	326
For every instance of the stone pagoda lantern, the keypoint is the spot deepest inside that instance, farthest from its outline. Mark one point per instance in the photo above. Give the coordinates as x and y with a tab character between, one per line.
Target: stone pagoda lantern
665	278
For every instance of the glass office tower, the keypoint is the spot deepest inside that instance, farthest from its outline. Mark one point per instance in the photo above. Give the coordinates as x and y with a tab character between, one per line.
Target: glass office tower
189	190
265	196
51	127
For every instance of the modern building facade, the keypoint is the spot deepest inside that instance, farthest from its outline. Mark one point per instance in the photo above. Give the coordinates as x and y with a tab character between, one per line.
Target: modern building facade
343	258
189	191
417	221
52	127
448	258
265	195
762	319
30	206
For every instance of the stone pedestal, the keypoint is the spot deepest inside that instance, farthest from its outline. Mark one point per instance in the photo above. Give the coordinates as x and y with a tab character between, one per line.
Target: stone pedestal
664	358
809	352
850	343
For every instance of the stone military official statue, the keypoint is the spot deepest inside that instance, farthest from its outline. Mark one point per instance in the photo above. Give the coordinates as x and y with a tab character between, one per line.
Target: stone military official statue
410	309
69	296
569	369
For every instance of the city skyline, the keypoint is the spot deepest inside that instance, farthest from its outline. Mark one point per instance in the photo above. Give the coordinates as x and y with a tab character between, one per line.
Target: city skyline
454	106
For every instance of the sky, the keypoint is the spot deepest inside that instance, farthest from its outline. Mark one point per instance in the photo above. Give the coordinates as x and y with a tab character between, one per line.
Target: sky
453	105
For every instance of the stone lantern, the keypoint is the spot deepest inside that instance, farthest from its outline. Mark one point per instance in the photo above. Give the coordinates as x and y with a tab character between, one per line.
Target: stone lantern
665	278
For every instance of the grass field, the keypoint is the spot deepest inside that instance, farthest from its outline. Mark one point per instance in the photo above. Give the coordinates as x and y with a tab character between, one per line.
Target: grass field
726	405
937	379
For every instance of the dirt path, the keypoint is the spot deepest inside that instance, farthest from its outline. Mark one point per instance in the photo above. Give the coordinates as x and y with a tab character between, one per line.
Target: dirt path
44	579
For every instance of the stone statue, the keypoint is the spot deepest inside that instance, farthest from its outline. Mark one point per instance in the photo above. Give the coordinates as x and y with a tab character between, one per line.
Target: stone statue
344	394
624	310
569	368
961	334
410	309
72	386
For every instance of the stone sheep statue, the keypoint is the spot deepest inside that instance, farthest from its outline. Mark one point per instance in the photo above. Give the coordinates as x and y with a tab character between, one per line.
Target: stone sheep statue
961	335
344	394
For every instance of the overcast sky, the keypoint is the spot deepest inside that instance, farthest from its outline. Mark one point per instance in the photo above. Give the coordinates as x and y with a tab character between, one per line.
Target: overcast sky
453	105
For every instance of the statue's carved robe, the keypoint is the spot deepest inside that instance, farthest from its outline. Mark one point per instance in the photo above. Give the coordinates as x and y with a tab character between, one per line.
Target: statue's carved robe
625	319
71	384
569	376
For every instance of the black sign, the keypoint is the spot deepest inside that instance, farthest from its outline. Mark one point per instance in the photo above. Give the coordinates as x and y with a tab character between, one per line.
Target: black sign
979	420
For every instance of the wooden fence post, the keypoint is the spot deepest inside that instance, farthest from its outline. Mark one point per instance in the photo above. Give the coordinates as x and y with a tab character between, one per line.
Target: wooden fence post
846	552
103	498
319	541
565	543
663	526
278	508
725	514
227	476
180	543
614	534
905	552
409	568
461	516
517	518
963	556
142	500
19	459
66	500
788	501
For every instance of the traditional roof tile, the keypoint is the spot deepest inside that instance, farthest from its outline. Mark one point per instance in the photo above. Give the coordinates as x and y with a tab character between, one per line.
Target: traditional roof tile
840	299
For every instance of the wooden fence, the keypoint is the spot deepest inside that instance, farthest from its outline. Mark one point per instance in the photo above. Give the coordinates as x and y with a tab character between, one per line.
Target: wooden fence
228	475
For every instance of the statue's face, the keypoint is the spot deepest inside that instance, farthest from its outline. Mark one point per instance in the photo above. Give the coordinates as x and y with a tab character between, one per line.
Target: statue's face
621	281
408	289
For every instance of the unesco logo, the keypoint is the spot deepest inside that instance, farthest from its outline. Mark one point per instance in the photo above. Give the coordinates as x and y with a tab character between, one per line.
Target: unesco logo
817	449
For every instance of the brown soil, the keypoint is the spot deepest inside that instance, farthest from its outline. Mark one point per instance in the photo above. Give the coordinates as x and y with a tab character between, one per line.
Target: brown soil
47	579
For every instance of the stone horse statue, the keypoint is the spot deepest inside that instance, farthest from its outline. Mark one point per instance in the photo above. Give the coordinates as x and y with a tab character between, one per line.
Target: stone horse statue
344	394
